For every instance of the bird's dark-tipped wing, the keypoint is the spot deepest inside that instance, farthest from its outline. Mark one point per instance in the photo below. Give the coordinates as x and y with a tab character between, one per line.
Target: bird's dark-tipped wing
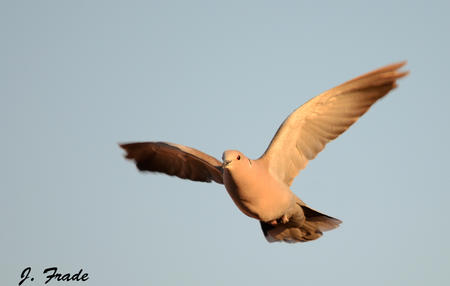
310	127
174	160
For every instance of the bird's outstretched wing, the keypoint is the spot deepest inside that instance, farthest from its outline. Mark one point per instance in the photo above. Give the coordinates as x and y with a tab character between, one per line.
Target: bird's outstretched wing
310	127
174	160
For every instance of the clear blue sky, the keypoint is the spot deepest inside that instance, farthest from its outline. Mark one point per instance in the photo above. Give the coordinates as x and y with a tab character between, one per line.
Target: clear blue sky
77	77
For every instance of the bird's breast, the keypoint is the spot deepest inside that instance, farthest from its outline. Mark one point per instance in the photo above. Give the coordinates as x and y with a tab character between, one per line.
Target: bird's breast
257	194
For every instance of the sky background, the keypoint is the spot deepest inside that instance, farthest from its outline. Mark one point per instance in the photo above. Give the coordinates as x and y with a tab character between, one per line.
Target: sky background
77	77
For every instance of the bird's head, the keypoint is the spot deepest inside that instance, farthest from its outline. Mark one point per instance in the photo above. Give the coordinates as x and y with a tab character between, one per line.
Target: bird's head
234	158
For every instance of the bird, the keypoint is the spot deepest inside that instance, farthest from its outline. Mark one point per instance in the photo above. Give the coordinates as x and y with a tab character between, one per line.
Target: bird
260	188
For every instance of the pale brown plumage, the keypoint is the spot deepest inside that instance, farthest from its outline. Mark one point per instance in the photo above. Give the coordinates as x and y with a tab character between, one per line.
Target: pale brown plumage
260	188
310	127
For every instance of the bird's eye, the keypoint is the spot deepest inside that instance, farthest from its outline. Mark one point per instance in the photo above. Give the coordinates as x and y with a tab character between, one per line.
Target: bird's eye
238	157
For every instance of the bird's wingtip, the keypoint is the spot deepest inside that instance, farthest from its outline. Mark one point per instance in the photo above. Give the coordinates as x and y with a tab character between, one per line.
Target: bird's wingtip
401	63
124	146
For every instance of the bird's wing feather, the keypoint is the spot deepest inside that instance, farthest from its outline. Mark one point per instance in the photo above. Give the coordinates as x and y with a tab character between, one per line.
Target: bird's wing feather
174	160
309	128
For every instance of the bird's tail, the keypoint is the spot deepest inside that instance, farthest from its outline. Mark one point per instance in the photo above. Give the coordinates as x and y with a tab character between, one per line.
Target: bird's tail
307	225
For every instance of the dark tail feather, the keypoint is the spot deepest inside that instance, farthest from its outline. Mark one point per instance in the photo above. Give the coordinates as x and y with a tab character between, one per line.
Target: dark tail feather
319	220
302	228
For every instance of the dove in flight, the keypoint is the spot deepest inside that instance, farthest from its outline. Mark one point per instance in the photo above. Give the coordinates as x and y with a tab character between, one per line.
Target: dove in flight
261	188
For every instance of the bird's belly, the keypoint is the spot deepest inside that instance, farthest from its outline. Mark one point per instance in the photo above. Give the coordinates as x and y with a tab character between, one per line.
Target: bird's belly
262	200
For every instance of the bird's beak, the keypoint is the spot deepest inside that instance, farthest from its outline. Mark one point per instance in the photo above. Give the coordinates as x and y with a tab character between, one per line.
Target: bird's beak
225	163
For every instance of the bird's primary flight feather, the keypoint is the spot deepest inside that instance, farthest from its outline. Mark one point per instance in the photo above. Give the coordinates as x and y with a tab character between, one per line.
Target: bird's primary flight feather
310	127
175	160
260	188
